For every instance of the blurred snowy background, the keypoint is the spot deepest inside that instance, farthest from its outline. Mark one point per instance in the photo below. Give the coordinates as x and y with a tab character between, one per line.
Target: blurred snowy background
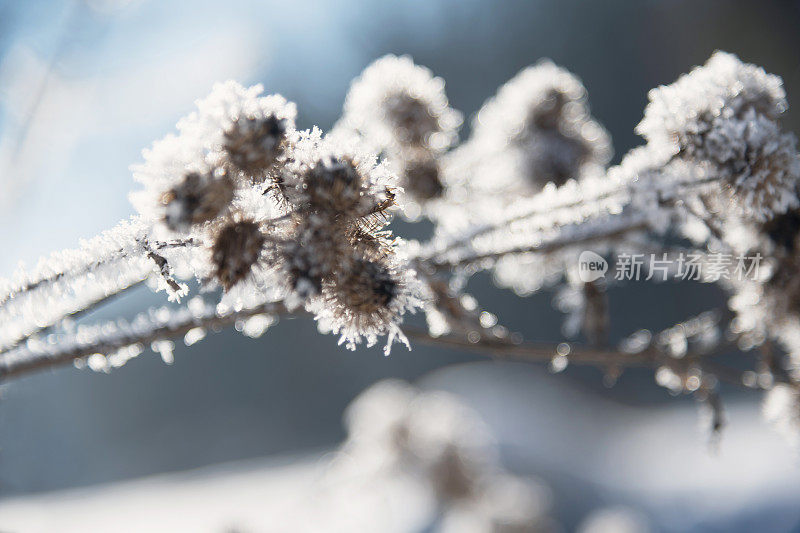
85	85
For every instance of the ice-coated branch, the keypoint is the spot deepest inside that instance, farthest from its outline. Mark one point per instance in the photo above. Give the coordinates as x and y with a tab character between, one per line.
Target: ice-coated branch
110	344
70	282
114	342
554	207
558	355
593	233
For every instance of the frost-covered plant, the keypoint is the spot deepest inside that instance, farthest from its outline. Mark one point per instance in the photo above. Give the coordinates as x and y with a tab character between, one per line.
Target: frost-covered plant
397	431
257	219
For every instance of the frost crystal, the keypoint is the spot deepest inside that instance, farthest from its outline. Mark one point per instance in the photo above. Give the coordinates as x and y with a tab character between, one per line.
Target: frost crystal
759	165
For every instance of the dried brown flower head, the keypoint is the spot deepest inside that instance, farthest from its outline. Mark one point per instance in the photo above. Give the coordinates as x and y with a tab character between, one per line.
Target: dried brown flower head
313	255
197	199
421	177
411	118
368	287
552	156
236	250
254	144
334	185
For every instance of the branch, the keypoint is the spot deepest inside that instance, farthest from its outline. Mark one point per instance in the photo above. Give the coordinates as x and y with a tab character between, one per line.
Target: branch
555	244
157	325
545	205
45	328
85	268
579	355
108	337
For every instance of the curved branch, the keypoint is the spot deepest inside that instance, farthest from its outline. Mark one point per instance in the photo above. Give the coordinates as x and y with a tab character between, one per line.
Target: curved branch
550	246
110	337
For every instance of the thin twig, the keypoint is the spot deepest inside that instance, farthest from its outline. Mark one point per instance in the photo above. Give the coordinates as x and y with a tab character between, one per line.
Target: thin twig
87	268
26	359
503	224
555	244
578	355
44	329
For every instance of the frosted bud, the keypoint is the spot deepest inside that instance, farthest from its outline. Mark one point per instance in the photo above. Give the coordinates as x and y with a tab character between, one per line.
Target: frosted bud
198	198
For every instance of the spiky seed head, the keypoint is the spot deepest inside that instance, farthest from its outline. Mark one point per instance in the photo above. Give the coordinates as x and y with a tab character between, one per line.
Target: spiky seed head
764	178
551	139
198	198
235	251
552	157
303	278
334	184
421	178
253	144
539	124
411	118
757	163
397	105
723	88
317	250
367	288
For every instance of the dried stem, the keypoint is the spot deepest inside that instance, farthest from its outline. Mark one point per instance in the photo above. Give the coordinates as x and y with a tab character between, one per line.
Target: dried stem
87	268
466	241
605	232
41	355
44	329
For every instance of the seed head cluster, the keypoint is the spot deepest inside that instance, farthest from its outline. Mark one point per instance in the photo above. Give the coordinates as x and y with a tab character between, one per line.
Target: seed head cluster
397	430
301	216
269	203
720	124
276	218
